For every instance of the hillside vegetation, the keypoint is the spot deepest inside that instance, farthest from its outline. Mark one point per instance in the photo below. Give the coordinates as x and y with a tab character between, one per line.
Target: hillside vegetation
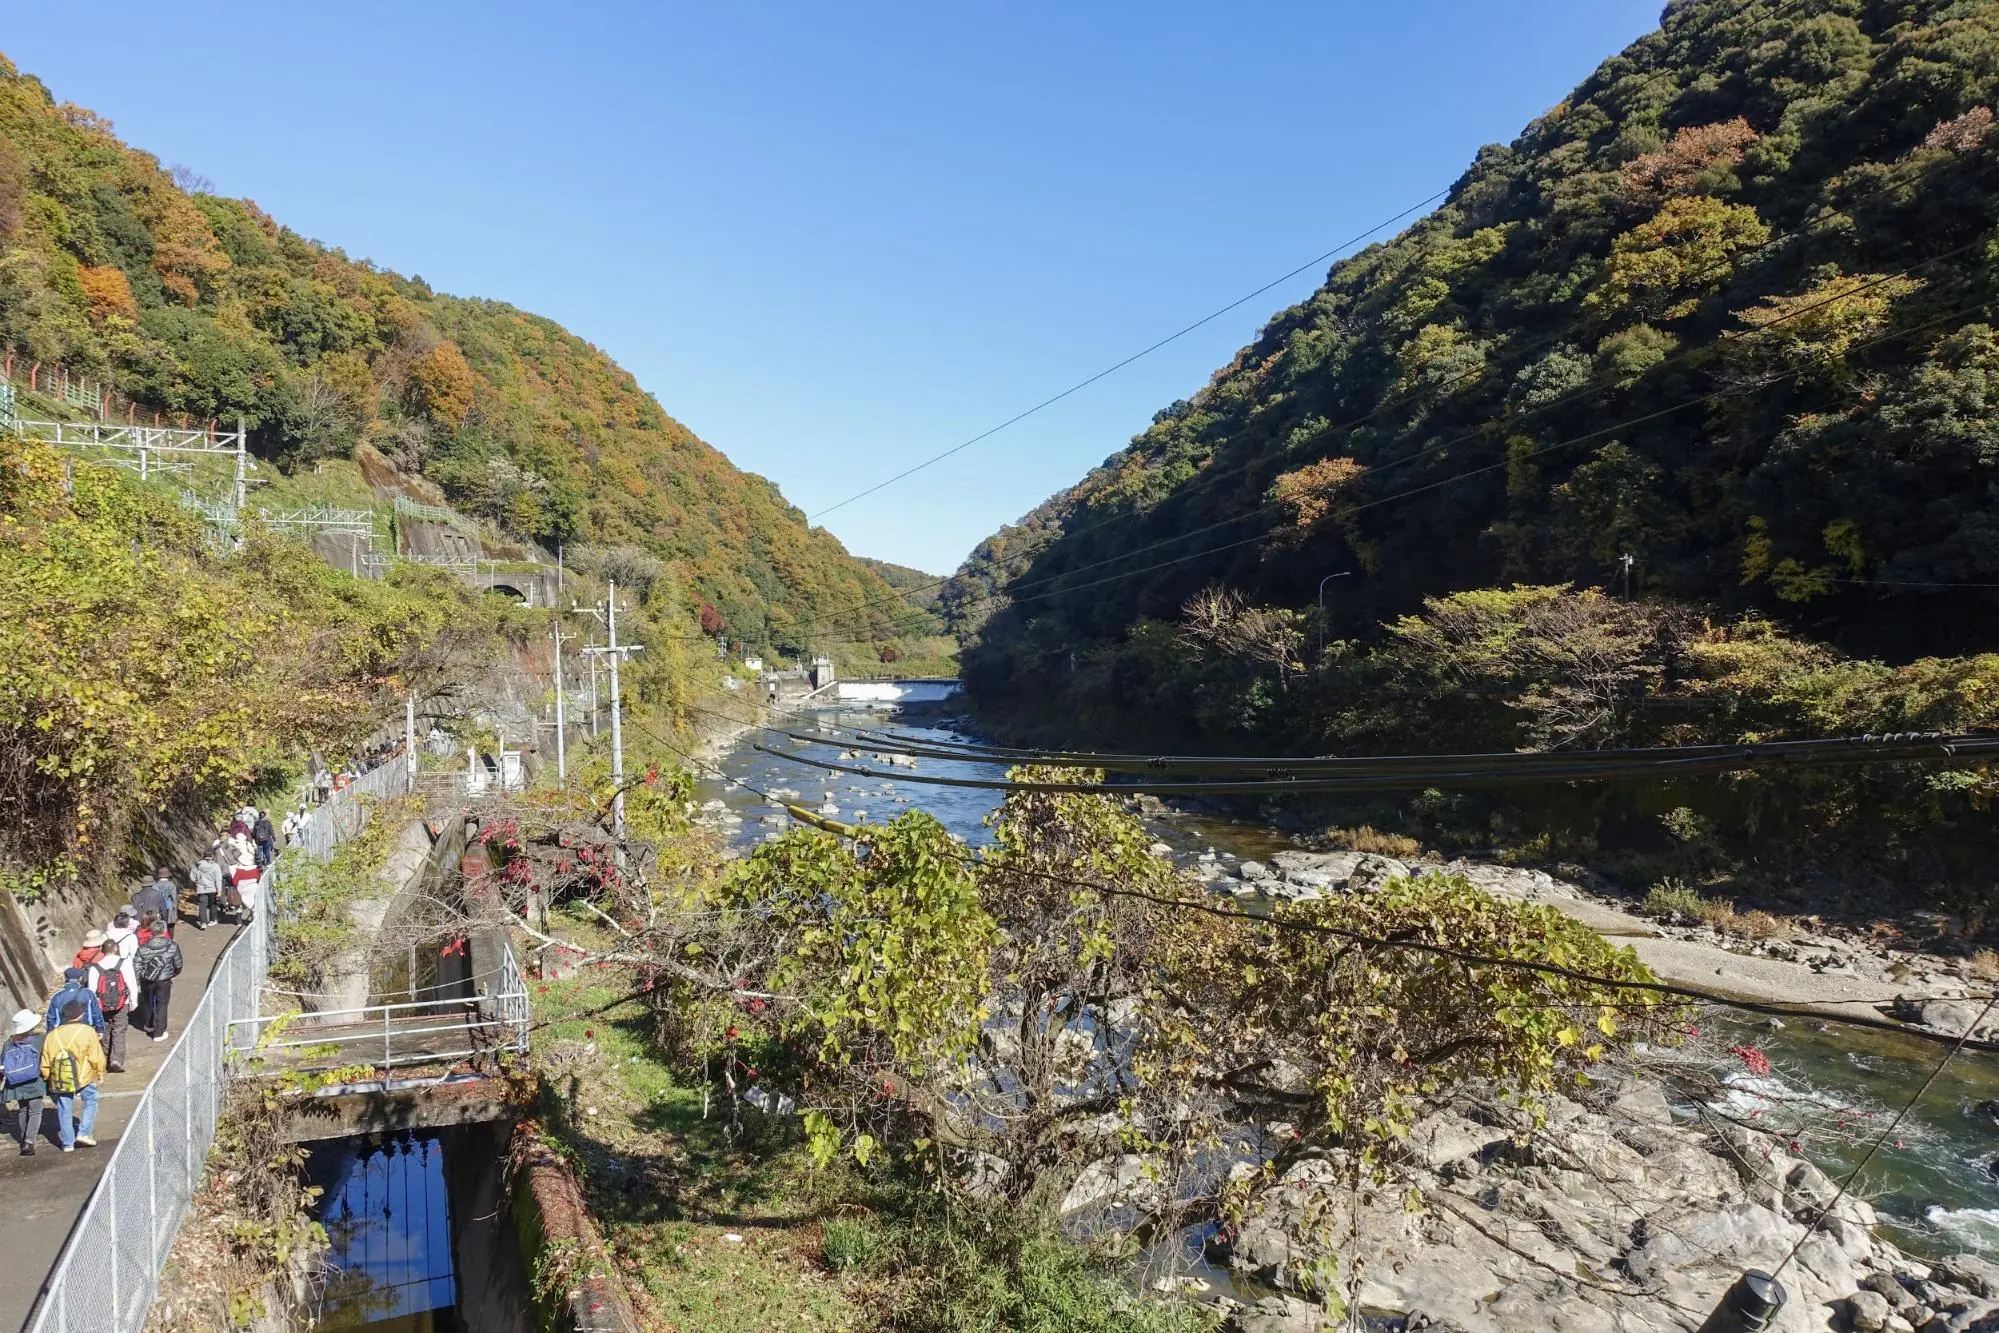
207	307
1726	310
140	672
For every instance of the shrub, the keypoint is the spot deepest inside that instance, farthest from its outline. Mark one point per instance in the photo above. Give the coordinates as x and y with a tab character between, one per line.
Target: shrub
973	1266
1750	925
1367	838
1670	898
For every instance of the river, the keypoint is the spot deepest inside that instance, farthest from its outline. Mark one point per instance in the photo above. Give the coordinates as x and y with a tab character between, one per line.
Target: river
1933	1184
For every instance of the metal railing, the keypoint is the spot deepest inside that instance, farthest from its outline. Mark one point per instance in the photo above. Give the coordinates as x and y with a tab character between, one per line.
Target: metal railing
329	518
409	508
487	1023
109	1269
345	814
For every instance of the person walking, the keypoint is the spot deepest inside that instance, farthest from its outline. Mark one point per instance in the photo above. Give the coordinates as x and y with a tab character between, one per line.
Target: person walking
207	878
115	983
157	898
75	986
92	950
21	1067
239	865
72	1067
265	837
158	962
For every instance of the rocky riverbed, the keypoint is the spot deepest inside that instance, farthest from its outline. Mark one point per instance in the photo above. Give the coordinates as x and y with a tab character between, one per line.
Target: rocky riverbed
1621	1212
1817	971
1616	1214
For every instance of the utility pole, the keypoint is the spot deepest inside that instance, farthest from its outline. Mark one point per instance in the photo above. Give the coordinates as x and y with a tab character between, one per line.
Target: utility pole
409	738
242	464
592	648
614	653
1627	561
561	740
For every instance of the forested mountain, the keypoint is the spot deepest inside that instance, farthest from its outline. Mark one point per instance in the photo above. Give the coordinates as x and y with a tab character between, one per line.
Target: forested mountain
918	589
196	304
1726	309
1678	422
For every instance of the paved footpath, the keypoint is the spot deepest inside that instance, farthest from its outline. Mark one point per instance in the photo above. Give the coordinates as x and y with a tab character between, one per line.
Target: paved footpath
42	1196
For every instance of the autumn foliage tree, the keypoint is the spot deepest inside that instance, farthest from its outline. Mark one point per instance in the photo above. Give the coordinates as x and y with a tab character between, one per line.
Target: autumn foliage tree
442	384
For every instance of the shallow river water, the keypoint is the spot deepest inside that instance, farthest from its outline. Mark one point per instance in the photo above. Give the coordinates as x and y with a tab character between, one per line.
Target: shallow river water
1934	1183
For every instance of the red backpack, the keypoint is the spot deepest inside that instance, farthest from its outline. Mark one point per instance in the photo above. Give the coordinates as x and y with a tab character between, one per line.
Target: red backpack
112	992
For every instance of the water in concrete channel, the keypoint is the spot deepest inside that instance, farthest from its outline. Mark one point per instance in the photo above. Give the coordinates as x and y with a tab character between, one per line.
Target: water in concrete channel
420	1240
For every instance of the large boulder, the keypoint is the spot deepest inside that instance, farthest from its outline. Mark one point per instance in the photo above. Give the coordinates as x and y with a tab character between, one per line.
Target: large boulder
1957	1017
1278	1314
1976	1275
1867	1311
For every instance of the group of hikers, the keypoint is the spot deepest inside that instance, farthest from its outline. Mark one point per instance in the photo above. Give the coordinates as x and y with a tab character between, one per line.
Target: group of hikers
122	977
327	781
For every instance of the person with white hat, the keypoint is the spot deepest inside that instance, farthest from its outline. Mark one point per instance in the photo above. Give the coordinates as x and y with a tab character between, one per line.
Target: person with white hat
21	1066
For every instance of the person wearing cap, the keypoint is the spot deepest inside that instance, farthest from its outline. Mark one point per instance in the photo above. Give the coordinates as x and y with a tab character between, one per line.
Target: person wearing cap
75	986
24	1086
72	1067
207	879
157	898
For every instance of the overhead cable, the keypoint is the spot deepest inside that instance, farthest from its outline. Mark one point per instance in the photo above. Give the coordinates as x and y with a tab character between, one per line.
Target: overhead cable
1135	356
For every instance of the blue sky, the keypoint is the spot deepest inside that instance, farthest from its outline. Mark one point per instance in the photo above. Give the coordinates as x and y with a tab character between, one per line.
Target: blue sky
838	239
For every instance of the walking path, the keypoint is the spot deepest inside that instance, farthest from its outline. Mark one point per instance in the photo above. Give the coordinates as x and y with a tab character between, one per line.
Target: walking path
42	1196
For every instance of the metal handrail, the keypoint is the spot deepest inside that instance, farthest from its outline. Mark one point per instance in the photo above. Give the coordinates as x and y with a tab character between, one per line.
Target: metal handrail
121	1298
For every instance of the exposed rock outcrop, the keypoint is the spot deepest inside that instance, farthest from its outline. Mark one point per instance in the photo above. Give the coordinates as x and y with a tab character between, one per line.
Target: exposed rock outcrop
1612	1217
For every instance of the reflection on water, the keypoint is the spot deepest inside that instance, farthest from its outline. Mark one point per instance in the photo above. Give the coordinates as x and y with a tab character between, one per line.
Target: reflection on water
1932	1182
388	1215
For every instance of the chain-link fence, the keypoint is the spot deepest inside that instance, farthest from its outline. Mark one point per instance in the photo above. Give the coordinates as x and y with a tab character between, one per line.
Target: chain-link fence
110	1268
345	813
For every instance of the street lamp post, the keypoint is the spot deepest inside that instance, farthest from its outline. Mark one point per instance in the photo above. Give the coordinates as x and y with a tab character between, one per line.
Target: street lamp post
1323	636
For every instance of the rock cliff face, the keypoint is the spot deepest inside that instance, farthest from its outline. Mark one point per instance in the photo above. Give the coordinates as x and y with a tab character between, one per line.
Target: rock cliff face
1615	1214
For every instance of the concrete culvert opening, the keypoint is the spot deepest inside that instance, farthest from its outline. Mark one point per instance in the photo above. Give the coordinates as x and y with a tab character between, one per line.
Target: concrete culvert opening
421	1239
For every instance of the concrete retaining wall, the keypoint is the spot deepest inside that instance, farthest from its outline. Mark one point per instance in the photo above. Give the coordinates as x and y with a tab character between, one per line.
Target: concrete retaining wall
578	1290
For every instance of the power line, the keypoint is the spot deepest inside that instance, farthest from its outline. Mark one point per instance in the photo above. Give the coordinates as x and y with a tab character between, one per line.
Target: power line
1135	356
1530	770
1892	747
1654	77
1429	450
1704	399
1785	1009
1891	1127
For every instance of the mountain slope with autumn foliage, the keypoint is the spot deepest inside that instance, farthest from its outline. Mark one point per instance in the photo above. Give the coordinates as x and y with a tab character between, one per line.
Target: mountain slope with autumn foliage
1726	310
1677	422
190	303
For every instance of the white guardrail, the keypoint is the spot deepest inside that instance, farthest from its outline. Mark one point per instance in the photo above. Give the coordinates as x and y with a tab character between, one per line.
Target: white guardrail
109	1269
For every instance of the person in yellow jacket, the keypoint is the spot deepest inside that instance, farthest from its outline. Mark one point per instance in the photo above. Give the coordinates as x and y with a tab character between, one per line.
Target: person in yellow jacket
72	1067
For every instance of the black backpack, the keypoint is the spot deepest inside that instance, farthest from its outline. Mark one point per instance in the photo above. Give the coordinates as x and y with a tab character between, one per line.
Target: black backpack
158	959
